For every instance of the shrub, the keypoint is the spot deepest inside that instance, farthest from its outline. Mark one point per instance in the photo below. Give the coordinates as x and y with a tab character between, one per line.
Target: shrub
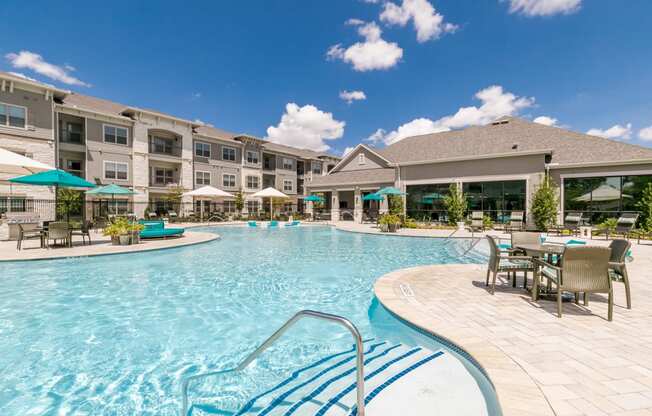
545	205
608	225
645	207
389	219
456	204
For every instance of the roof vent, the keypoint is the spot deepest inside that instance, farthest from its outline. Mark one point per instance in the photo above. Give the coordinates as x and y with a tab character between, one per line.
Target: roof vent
515	146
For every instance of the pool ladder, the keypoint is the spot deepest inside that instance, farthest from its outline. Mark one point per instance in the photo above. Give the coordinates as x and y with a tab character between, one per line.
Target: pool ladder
359	362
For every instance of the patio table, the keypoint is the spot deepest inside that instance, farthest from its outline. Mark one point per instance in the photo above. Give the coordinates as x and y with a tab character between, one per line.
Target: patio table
547	253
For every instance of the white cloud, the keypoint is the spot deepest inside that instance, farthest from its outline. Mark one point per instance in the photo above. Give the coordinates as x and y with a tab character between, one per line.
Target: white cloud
347	150
350	96
306	127
614	132
546	121
35	62
196	95
645	134
495	103
544	7
428	24
374	53
355	22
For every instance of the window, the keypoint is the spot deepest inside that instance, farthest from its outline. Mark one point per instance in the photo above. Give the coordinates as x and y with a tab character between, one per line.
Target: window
115	170
253	182
228	153
163	176
361	159
202	178
71	133
74	167
115	134
252	157
288	185
228	180
202	149
13	116
287	164
252	206
316	168
229	206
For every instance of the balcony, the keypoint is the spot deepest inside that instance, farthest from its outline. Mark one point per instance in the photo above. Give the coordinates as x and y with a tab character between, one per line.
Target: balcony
71	137
269	163
167	147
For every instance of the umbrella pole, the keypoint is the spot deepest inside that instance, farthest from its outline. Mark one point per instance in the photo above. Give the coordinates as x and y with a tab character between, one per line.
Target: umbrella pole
271	209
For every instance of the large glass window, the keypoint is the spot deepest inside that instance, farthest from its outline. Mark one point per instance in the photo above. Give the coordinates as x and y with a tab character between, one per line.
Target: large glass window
13	116
599	198
426	202
496	199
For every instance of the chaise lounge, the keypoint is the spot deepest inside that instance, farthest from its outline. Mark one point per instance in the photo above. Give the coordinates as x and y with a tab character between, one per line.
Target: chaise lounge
156	229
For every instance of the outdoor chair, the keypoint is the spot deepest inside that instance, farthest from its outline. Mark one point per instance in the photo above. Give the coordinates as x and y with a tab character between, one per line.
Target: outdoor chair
625	224
370	217
583	269
504	262
172	216
516	221
58	231
477	221
152	215
28	232
518	238
617	266
84	231
572	223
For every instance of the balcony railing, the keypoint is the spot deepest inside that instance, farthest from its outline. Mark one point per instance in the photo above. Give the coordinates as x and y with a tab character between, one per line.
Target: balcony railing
66	136
168	148
163	182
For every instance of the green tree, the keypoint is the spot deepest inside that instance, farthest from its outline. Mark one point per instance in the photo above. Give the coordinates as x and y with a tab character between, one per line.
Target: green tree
456	204
395	203
645	207
69	201
545	204
175	193
239	201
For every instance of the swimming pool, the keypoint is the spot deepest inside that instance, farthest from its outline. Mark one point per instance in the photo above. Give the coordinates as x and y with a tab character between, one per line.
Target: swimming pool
116	334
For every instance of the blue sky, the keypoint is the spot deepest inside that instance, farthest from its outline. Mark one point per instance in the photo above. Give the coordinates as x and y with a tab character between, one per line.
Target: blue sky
422	65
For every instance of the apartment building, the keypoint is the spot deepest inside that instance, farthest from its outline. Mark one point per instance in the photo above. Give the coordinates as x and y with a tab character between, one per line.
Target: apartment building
151	152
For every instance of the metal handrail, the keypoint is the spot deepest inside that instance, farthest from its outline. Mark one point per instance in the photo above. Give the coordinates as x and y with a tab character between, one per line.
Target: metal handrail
359	363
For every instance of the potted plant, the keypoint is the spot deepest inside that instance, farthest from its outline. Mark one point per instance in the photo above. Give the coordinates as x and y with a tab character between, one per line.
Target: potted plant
118	231
389	223
134	232
456	206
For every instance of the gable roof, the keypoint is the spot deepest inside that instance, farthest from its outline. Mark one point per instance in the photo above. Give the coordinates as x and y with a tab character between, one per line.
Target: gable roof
512	136
356	151
93	104
354	177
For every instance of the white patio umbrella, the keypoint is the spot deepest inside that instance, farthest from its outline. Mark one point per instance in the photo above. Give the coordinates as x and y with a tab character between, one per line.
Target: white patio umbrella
16	164
270	193
207	192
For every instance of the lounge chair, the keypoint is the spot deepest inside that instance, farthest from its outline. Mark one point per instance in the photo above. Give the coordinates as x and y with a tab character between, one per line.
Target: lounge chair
172	216
272	224
156	229
477	221
500	263
152	215
84	231
252	224
572	223
58	231
370	217
28	232
625	224
582	269
292	223
516	221
618	268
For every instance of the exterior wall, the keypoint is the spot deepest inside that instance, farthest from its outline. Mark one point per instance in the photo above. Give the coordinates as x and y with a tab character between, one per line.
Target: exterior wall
371	162
253	148
39	114
98	151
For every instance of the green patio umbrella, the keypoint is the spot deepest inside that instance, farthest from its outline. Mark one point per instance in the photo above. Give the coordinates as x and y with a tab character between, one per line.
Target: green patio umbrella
372	197
313	198
390	190
112	190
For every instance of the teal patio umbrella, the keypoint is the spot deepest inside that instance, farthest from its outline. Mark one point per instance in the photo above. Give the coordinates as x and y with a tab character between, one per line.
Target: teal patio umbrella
112	190
313	198
429	198
372	197
390	190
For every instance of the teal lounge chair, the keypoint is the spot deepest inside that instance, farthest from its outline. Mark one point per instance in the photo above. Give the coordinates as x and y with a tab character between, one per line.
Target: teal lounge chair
292	224
156	229
252	224
272	224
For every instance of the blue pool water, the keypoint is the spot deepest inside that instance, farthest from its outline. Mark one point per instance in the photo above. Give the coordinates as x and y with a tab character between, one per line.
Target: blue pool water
116	334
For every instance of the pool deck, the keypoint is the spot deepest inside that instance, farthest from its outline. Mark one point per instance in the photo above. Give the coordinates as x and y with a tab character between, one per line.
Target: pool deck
580	364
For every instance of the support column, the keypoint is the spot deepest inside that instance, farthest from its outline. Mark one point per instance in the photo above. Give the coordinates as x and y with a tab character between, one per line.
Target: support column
383	207
335	205
357	205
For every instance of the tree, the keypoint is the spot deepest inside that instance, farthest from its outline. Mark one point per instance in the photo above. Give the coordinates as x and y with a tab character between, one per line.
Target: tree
545	204
395	203
645	206
239	201
68	201
456	204
175	193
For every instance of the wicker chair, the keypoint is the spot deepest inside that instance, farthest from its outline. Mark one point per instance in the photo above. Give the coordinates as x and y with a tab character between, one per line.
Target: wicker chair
28	232
582	269
617	266
84	231
522	237
500	263
477	221
516	221
58	231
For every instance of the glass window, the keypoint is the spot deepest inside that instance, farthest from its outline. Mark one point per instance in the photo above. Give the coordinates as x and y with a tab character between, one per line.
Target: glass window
72	133
115	170
228	180
229	206
202	149
3	115
114	134
253	182
423	202
496	199
202	178
316	168
288	185
252	206
163	176
228	153
12	115
75	166
287	164
252	157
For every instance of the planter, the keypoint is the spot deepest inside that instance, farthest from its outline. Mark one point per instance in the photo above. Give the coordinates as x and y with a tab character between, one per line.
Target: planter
392	228
135	237
460	226
115	240
384	228
125	240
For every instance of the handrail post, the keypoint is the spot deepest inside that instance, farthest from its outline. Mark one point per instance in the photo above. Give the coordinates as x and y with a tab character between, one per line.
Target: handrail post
359	362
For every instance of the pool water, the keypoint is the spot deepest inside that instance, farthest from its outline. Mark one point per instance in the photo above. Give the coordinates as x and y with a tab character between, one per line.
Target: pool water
117	334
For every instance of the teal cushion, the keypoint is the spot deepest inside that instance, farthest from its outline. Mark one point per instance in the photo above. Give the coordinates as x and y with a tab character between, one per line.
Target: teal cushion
158	233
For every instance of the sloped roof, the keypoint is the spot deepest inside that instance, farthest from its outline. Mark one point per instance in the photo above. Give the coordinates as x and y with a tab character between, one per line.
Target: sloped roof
354	177
210	131
513	135
86	102
17	77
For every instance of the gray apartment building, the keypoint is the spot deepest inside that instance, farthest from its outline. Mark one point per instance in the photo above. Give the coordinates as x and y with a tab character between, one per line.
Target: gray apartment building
499	167
145	150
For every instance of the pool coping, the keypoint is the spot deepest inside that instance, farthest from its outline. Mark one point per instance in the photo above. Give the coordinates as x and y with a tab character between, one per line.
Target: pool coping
508	394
